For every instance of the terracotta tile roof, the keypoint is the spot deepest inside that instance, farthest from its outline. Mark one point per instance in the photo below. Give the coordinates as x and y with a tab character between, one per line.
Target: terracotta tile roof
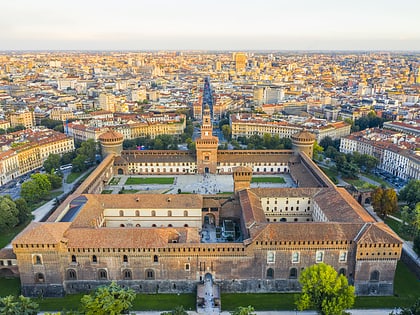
42	233
313	231
130	237
252	211
96	204
379	232
339	206
7	253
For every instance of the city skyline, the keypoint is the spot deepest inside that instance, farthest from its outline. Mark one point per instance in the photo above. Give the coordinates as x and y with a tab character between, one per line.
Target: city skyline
216	25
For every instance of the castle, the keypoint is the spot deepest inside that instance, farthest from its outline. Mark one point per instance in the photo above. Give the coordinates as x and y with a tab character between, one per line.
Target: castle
255	240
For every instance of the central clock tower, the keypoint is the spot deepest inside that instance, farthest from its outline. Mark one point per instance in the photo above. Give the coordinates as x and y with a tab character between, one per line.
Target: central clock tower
206	146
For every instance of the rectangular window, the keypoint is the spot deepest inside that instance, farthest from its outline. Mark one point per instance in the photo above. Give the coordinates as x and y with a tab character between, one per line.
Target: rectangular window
271	257
295	257
187	267
343	256
319	256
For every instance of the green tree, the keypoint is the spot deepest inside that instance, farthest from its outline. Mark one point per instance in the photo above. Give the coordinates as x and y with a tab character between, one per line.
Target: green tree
317	151
411	192
227	132
384	201
108	300
9	213
67	157
88	149
78	163
43	183
30	191
52	162
24	211
11	305
324	290
243	310
55	180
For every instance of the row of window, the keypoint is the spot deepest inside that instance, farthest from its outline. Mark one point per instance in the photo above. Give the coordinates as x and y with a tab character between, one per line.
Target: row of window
152	213
287	202
287	209
293	273
319	257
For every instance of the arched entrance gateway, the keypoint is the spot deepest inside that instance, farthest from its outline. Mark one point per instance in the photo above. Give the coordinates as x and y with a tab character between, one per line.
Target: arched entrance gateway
209	219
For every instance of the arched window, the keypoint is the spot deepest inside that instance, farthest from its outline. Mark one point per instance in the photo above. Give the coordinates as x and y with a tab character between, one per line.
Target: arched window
121	213
102	274
71	274
94	259
185	213
122	225
149	274
138	225
73	259
153	213
270	273
37	260
125	258
342	271
293	273
137	213
169	213
39	277
153	225
155	258
185	225
169	225
127	275
374	276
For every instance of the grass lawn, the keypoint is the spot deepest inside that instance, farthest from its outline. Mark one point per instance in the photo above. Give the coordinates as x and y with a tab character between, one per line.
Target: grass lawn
104	192
397	228
149	180
9	286
279	180
128	191
376	179
7	236
72	177
115	181
330	173
359	183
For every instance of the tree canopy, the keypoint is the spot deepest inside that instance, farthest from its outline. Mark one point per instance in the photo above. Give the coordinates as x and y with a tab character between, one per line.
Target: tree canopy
11	305
9	213
324	290
52	162
384	201
411	192
108	300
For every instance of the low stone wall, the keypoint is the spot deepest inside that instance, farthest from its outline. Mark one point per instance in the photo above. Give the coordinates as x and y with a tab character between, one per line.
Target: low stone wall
411	262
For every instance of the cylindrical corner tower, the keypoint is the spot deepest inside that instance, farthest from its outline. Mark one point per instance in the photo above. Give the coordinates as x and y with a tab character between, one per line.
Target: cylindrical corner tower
303	142
111	142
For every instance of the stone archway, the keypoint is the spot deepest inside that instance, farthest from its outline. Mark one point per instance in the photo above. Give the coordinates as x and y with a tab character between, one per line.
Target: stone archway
120	171
210	218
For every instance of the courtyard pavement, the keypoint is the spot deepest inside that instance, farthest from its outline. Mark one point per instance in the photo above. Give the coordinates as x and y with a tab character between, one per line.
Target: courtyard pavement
196	184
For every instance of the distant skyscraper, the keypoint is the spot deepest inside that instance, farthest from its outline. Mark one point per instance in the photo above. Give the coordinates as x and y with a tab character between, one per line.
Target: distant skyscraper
240	62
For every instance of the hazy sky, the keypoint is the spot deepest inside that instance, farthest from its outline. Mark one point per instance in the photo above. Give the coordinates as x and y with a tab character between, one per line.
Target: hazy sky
211	24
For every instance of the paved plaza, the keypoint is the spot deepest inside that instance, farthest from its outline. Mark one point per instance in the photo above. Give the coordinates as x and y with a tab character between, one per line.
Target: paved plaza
197	184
